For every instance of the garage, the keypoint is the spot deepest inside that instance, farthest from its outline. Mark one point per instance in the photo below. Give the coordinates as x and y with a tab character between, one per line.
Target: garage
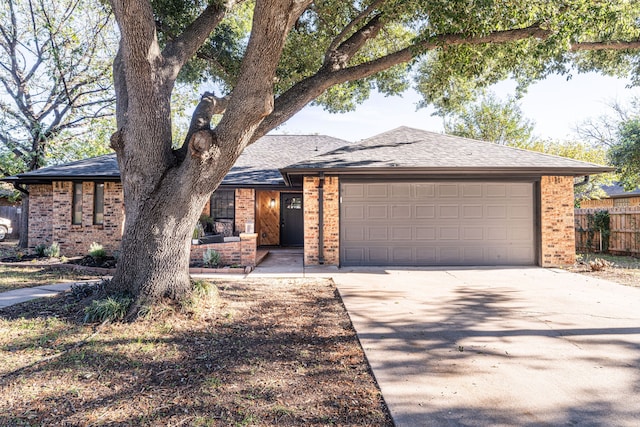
437	223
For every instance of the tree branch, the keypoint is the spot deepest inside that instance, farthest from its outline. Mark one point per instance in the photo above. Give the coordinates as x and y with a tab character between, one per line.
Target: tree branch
336	41
252	98
208	106
305	91
608	45
182	48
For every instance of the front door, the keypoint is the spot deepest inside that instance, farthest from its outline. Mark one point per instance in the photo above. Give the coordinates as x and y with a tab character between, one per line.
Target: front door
291	220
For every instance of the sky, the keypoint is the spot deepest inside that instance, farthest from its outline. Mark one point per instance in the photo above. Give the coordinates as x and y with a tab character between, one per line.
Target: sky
556	105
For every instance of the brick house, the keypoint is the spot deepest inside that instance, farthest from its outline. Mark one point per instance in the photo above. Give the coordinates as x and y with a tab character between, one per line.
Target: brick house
406	197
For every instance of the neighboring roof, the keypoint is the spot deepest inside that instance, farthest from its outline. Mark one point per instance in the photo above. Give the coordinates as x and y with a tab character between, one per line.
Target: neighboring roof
409	150
259	164
617	191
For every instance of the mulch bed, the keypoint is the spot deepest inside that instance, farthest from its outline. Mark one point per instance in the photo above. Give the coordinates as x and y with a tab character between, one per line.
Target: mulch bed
271	352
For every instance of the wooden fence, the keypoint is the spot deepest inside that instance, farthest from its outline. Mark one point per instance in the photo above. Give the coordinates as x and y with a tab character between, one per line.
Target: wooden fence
624	229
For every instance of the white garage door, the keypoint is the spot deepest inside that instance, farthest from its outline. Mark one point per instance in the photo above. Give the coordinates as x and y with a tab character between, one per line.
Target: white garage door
437	223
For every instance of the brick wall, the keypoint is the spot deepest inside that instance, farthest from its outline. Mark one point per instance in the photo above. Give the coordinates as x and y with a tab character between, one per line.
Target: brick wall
557	221
50	217
241	253
245	208
40	214
331	229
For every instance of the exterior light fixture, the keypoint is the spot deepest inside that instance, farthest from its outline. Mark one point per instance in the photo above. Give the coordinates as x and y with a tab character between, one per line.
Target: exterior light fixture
272	203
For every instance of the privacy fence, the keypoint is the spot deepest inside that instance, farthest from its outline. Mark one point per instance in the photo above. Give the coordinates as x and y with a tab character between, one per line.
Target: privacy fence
610	230
12	213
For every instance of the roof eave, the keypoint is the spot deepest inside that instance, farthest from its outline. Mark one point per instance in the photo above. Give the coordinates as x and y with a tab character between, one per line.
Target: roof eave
450	171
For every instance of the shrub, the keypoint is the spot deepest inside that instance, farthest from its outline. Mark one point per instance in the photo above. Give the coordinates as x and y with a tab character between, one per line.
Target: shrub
211	258
96	250
40	249
198	231
52	251
112	308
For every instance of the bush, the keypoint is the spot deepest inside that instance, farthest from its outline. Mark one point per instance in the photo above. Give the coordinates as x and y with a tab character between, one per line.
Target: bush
96	250
211	258
40	249
52	251
111	308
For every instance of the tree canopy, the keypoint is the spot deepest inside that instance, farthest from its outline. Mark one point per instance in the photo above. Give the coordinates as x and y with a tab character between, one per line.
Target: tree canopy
492	120
625	153
55	81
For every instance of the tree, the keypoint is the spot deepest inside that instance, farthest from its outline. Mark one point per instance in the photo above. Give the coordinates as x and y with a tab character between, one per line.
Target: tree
55	83
504	123
492	120
625	153
297	52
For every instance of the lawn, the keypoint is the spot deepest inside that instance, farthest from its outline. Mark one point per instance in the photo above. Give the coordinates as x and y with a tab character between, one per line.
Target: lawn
268	352
17	277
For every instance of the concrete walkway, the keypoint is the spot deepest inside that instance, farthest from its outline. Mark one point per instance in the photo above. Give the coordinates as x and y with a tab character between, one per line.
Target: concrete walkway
17	296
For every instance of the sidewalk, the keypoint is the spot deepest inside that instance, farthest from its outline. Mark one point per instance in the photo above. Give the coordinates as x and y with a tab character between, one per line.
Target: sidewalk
25	294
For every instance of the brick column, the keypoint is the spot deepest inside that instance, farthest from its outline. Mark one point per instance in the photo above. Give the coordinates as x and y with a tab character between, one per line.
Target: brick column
331	215
245	208
557	240
248	249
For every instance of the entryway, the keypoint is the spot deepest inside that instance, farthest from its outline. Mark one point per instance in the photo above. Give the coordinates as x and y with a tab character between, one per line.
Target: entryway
291	219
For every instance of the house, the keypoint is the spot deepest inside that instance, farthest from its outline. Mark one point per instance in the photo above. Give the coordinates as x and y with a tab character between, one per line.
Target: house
406	197
616	197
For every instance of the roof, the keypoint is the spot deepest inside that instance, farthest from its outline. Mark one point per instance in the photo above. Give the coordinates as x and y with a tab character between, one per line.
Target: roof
259	164
617	191
409	150
101	167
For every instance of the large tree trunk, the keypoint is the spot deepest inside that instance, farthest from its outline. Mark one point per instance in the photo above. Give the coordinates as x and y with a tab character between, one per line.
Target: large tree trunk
23	227
156	246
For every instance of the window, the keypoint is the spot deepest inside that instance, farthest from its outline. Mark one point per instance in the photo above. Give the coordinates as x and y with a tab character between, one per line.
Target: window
98	203
76	214
223	204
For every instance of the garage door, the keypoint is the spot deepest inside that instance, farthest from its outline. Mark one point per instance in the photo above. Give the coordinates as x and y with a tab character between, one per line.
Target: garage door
437	223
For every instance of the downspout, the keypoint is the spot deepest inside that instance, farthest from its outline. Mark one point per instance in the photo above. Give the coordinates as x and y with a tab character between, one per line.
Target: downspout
321	219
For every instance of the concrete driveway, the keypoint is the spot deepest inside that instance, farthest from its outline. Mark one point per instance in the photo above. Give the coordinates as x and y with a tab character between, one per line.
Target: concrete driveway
512	346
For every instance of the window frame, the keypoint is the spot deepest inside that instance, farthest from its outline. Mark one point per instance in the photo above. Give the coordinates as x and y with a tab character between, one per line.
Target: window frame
98	203
76	203
230	201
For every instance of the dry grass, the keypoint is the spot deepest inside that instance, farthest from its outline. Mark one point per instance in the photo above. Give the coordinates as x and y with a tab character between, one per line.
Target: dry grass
271	352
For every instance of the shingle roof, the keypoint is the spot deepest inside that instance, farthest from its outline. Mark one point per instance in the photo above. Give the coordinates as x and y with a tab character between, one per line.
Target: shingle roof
101	167
617	191
258	164
409	148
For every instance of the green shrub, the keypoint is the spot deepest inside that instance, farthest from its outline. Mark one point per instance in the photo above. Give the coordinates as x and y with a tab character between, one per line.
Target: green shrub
198	231
112	308
52	251
211	258
40	249
96	250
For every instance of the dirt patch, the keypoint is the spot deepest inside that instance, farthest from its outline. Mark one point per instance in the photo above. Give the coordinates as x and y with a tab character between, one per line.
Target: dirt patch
624	270
273	352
